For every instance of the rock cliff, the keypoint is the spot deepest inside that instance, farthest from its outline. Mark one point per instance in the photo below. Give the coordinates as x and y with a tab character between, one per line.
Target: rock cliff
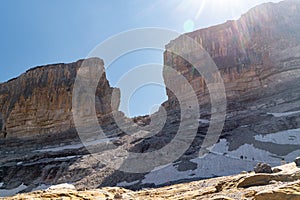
258	60
253	54
40	100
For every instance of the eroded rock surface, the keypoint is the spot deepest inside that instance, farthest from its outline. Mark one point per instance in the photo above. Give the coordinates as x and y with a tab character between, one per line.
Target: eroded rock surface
40	100
254	55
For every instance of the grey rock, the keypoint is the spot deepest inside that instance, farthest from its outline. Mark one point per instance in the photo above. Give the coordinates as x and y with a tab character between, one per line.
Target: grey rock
276	170
297	161
263	168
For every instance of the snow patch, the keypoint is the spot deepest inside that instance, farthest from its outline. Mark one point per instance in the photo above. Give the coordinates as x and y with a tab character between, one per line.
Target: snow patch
77	146
167	174
244	126
99	141
218	162
61	148
291	156
209	166
160	167
204	121
62	186
291	136
124	184
65	158
11	192
41	187
284	114
1	184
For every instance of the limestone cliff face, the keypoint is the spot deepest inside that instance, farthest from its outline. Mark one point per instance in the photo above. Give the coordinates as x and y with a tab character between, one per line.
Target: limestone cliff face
40	100
256	52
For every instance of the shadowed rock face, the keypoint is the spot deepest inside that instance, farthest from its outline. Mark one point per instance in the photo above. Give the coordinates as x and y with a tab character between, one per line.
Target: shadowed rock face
40	100
1	123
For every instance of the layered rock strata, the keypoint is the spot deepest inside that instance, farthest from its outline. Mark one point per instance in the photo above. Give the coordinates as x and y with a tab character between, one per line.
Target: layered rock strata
254	54
40	100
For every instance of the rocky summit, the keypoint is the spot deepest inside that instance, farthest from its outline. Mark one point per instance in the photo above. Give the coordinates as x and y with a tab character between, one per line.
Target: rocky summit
233	102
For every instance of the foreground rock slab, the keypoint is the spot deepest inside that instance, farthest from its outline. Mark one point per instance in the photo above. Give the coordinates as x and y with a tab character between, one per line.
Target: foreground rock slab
282	185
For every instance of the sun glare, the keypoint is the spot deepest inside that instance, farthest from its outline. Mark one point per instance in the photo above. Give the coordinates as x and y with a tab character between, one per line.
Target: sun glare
218	7
199	9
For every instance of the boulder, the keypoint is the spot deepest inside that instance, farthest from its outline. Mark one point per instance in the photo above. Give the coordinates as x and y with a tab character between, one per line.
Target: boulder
255	180
297	161
263	168
276	170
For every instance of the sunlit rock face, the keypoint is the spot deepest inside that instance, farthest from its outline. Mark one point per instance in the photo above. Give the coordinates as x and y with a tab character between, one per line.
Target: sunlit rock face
40	100
255	53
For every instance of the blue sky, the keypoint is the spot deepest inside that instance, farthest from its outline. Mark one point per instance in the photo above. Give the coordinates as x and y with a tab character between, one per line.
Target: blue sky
37	32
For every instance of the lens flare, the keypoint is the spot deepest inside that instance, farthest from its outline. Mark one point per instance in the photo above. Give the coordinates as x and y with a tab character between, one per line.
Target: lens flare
189	25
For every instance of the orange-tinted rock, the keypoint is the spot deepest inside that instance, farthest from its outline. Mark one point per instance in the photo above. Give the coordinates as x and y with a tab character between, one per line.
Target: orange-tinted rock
40	100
